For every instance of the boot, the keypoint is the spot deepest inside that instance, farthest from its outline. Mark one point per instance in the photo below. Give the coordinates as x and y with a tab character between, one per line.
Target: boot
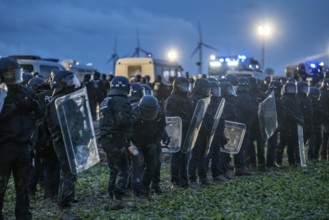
242	171
117	202
65	214
323	157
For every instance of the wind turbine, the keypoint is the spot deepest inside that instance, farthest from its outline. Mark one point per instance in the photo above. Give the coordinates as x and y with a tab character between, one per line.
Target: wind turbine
199	48
114	57
138	49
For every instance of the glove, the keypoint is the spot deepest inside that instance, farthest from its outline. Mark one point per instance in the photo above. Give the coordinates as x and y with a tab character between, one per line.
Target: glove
166	140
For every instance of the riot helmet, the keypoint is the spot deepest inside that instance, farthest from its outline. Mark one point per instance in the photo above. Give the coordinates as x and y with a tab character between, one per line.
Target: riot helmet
202	87
252	82
10	71
227	89
137	92
86	77
97	75
324	84
147	89
181	84
38	84
303	88
276	86
215	88
148	108
314	93
64	80
289	88
26	77
243	85
120	85
104	76
233	79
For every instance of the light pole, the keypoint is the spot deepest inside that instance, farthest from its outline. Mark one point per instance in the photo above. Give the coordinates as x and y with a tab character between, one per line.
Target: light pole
264	31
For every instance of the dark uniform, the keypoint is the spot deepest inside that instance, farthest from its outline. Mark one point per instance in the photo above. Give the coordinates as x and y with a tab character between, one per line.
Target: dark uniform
324	105
272	143
95	93
201	90
116	129
315	137
64	82
148	132
291	117
246	112
17	122
178	104
255	135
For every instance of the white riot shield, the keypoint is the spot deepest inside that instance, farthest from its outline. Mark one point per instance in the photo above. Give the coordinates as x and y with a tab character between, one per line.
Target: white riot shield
217	116
235	132
267	115
174	131
3	95
196	121
77	130
301	146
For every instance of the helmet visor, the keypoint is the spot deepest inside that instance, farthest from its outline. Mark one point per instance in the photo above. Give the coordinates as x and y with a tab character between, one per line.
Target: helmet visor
71	80
216	92
148	92
13	76
148	114
230	91
185	87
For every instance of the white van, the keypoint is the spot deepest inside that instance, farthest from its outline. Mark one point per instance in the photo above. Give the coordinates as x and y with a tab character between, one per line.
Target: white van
38	65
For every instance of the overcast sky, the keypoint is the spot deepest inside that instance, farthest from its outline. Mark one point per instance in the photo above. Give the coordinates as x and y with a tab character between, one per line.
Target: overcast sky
85	30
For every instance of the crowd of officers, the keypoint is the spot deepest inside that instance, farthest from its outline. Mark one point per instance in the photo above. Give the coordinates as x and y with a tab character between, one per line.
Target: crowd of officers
132	115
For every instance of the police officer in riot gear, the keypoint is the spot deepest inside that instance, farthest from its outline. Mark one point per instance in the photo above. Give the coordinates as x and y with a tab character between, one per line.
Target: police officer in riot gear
219	138
17	121
257	97
148	132
315	137
49	166
246	111
178	104
63	83
272	143
116	124
324	103
95	93
137	92
291	117
306	109
201	90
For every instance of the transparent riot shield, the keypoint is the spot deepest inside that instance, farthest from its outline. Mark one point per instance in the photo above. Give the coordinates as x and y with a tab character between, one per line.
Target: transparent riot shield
217	116
174	131
77	130
301	146
267	115
194	127
3	95
235	132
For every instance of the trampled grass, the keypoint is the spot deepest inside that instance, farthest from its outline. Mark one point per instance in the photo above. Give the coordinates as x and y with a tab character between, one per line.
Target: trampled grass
290	193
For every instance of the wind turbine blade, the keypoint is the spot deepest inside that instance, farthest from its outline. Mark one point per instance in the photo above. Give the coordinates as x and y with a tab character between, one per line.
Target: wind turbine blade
210	47
199	30
195	50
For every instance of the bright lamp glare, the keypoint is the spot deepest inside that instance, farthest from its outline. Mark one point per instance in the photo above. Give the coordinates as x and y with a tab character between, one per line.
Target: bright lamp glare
264	30
215	64
221	60
212	57
172	55
312	65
